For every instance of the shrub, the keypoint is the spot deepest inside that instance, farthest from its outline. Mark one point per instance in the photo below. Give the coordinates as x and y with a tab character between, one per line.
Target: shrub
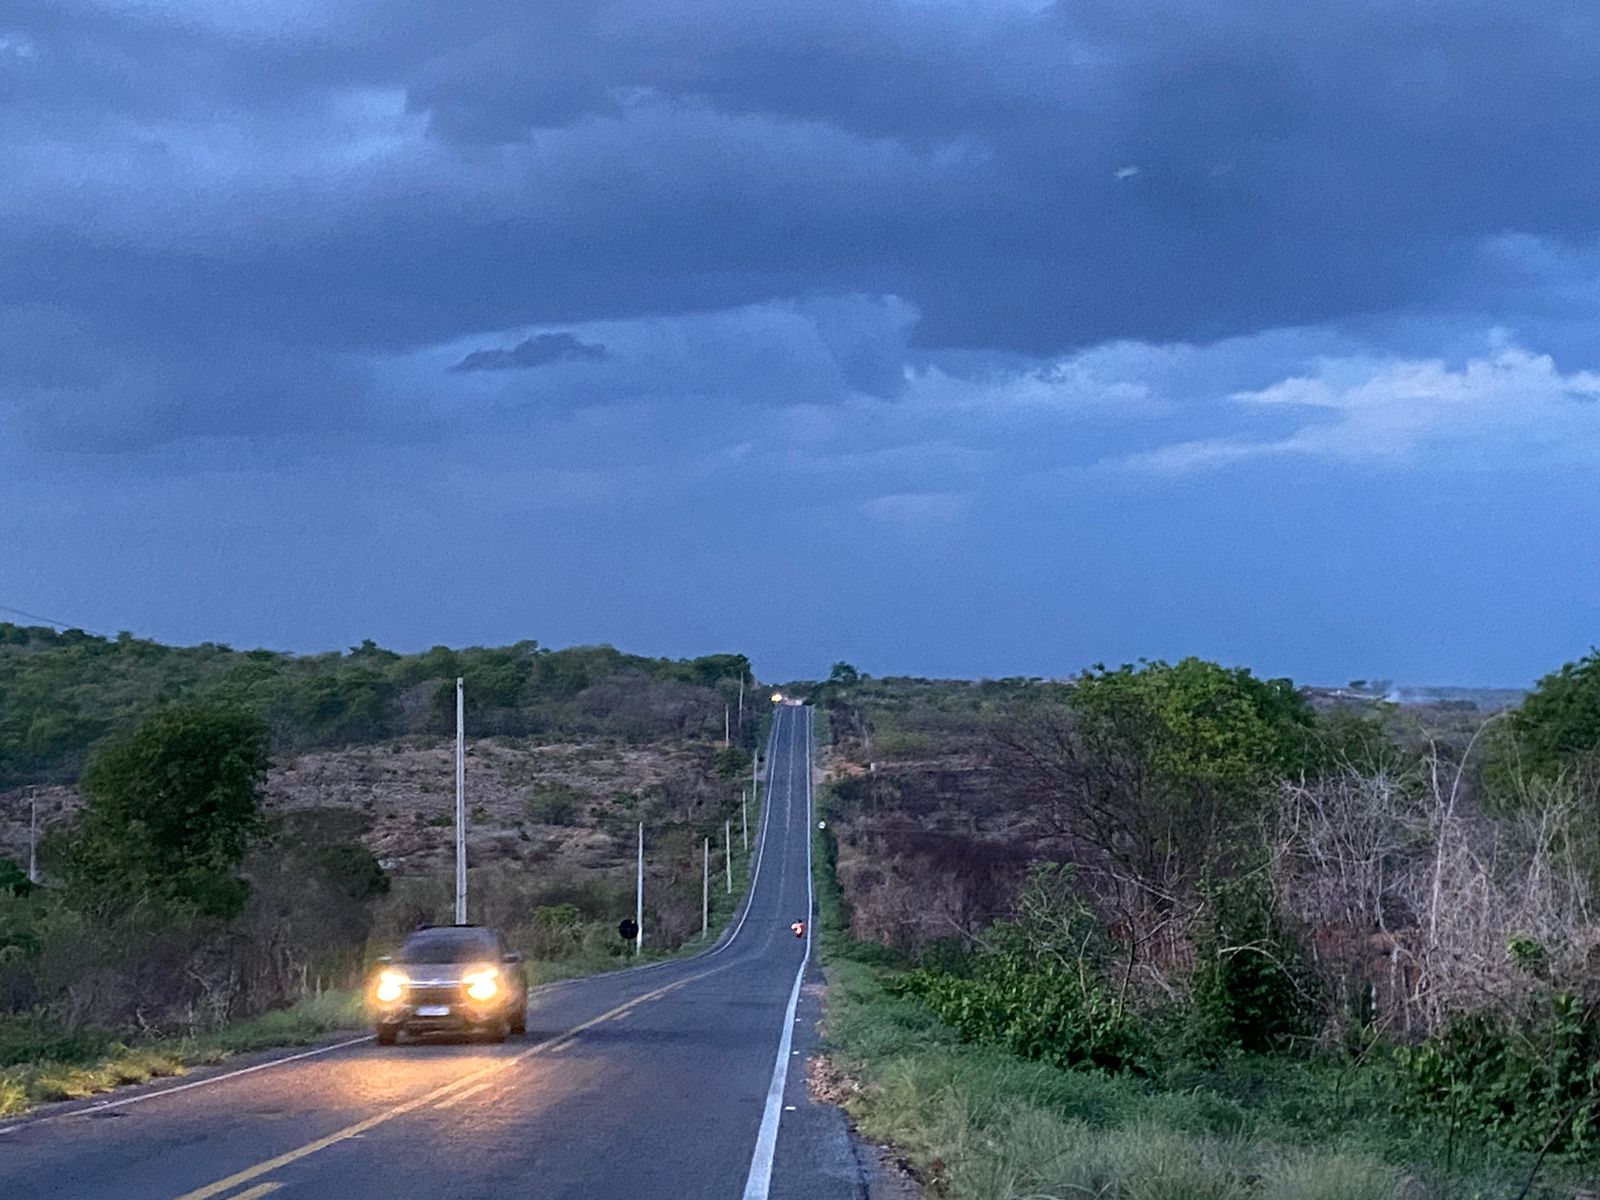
1038	987
1252	988
1530	1082
557	931
554	804
1059	1017
733	762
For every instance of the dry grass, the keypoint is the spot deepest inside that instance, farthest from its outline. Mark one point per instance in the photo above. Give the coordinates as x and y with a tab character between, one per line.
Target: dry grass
28	1084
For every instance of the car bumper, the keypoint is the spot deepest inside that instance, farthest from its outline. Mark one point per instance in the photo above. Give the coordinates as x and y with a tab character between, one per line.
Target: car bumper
439	1016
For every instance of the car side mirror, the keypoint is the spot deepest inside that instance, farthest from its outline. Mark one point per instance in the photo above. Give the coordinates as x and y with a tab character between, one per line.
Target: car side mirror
513	956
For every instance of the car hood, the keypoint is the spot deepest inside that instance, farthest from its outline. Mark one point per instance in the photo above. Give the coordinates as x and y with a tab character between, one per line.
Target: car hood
436	973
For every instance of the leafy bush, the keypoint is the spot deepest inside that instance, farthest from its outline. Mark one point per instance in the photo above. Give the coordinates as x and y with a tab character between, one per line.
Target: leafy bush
733	762
14	879
557	931
31	1036
1038	987
1060	1017
554	804
1251	986
1529	1083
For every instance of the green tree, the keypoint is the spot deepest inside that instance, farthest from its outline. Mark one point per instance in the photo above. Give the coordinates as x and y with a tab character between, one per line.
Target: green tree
1158	766
1558	725
1198	724
1352	739
169	812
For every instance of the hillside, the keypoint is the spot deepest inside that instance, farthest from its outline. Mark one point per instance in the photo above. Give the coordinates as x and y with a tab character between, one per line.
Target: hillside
570	751
530	803
62	694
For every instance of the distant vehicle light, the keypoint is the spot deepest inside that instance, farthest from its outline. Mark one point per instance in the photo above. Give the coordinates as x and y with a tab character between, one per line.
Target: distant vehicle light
483	983
391	986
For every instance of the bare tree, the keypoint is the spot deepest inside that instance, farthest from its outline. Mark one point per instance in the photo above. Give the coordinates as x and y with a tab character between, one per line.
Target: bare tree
1434	908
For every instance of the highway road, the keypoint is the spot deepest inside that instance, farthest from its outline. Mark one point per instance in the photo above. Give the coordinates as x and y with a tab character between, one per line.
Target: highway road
677	1079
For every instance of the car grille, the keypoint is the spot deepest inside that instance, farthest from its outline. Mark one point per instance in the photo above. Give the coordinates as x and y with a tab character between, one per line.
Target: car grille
433	994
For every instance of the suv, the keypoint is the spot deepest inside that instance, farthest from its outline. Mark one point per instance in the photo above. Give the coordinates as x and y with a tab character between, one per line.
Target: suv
450	978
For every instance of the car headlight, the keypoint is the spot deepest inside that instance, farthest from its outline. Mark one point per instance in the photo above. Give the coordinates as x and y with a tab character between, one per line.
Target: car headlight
483	983
391	986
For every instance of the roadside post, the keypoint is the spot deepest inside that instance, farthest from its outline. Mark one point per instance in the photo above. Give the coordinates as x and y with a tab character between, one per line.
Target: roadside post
727	852
638	899
705	892
33	835
461	802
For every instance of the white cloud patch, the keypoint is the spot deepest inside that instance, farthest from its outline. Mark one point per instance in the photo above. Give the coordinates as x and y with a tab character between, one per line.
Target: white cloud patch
917	508
17	45
1510	407
1083	384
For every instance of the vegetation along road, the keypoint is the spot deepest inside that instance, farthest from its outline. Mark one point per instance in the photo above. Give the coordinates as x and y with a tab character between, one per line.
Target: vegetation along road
680	1078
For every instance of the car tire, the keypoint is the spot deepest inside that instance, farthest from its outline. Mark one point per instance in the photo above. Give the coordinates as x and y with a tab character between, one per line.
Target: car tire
519	1020
387	1034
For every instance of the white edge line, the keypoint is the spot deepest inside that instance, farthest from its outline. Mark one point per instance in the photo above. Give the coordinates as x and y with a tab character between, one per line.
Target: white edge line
759	1181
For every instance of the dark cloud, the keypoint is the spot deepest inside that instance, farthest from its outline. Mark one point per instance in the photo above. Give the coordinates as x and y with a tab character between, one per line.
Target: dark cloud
358	179
540	350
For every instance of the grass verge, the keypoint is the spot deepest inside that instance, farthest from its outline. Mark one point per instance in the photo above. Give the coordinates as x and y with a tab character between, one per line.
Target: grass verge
95	1065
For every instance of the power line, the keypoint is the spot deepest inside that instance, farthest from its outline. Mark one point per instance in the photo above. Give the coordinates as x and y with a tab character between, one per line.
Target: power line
33	616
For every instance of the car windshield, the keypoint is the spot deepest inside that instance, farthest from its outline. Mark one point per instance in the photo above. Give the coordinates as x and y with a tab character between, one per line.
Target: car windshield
448	946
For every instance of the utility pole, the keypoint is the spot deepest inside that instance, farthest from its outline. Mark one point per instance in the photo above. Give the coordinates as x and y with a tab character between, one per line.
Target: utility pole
33	835
741	701
638	899
727	852
744	805
705	894
461	802
727	733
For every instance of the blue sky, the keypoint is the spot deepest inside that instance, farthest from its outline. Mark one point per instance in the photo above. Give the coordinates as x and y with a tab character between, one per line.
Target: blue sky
949	338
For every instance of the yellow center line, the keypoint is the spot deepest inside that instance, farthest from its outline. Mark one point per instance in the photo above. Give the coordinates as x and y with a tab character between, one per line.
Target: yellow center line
349	1131
460	1096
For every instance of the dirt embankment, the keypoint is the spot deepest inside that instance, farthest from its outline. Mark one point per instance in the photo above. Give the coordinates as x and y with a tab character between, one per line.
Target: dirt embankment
928	845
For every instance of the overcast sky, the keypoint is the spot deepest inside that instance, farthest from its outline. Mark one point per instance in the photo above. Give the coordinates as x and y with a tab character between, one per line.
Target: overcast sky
947	338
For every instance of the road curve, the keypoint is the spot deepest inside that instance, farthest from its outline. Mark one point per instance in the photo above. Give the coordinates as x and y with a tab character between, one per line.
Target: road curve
678	1079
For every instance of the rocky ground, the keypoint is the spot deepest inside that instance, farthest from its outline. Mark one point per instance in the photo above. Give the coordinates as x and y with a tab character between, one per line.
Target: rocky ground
527	802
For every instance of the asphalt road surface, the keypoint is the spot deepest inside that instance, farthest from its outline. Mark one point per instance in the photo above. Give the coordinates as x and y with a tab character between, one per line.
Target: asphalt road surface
678	1079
